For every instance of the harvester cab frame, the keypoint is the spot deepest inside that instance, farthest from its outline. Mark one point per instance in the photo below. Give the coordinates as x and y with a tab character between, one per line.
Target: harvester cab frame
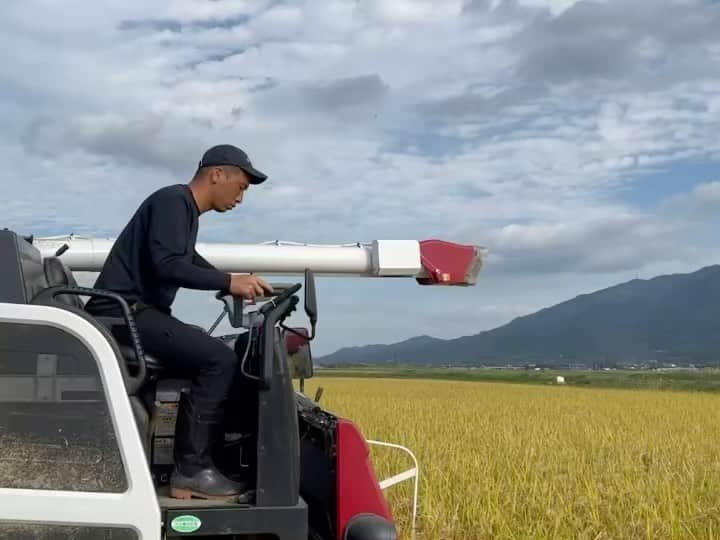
87	423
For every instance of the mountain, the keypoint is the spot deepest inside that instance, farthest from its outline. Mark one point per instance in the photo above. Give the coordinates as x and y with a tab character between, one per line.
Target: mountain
672	318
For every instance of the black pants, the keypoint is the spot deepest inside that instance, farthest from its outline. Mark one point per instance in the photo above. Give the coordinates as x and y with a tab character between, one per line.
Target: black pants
188	352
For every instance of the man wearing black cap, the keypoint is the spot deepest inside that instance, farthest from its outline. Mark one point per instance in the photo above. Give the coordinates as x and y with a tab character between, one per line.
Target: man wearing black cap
150	260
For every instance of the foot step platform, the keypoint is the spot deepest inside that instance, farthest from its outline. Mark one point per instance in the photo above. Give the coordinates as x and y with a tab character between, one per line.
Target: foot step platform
186	517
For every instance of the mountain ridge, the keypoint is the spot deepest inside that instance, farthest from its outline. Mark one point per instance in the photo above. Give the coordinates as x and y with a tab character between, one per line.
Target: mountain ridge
667	318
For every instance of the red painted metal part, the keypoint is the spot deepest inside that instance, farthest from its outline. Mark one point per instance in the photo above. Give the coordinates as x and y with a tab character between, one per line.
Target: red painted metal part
293	342
448	263
358	489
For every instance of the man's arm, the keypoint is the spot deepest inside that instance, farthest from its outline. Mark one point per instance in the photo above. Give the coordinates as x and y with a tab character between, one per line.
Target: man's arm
168	234
198	260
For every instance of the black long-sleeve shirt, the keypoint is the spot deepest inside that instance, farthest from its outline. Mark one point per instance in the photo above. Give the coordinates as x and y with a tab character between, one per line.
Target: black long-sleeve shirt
155	254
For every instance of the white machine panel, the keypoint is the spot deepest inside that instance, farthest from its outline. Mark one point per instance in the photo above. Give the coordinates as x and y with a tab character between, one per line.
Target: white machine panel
396	257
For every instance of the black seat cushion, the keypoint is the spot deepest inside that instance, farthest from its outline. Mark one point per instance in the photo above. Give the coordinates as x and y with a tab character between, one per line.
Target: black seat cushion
151	362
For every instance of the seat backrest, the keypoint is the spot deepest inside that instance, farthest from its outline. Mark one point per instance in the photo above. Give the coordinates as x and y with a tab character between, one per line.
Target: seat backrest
21	269
57	273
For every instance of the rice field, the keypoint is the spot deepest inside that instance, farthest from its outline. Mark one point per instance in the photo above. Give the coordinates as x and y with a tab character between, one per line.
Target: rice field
515	461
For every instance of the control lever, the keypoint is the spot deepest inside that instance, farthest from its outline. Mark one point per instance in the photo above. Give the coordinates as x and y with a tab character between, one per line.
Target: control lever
279	299
277	289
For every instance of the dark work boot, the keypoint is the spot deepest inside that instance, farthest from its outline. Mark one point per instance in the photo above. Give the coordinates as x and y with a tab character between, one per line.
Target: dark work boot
195	474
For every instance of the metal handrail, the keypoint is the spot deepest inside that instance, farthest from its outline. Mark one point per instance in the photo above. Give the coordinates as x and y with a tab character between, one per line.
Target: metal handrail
403	476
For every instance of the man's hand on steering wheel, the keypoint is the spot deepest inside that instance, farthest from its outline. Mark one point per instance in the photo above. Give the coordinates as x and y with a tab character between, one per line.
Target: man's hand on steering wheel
248	286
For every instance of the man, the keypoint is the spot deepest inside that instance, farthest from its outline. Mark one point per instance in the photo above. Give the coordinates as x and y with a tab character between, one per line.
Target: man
153	257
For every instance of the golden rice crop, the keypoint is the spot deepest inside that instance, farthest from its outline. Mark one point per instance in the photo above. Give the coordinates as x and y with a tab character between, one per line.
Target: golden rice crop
515	461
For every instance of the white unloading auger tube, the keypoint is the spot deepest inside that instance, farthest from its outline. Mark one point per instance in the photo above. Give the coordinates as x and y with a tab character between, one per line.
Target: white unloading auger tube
430	262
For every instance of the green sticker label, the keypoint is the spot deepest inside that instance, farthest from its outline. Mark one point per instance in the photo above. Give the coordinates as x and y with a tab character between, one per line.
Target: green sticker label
185	524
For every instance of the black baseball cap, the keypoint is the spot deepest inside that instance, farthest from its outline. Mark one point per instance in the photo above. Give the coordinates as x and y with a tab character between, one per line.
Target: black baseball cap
227	154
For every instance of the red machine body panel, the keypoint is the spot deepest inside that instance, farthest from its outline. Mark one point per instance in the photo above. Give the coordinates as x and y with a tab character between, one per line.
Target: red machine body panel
358	489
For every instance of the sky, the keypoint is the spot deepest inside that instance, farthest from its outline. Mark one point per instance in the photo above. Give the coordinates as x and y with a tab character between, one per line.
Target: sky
576	141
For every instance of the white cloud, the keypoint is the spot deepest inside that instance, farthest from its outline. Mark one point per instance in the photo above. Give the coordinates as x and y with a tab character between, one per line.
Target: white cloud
708	194
411	11
700	205
556	7
509	124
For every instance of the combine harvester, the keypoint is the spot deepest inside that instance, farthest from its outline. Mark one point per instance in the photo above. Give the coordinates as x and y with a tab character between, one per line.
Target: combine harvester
86	424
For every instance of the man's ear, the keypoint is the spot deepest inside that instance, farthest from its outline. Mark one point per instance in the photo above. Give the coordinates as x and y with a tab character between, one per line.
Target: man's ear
214	175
